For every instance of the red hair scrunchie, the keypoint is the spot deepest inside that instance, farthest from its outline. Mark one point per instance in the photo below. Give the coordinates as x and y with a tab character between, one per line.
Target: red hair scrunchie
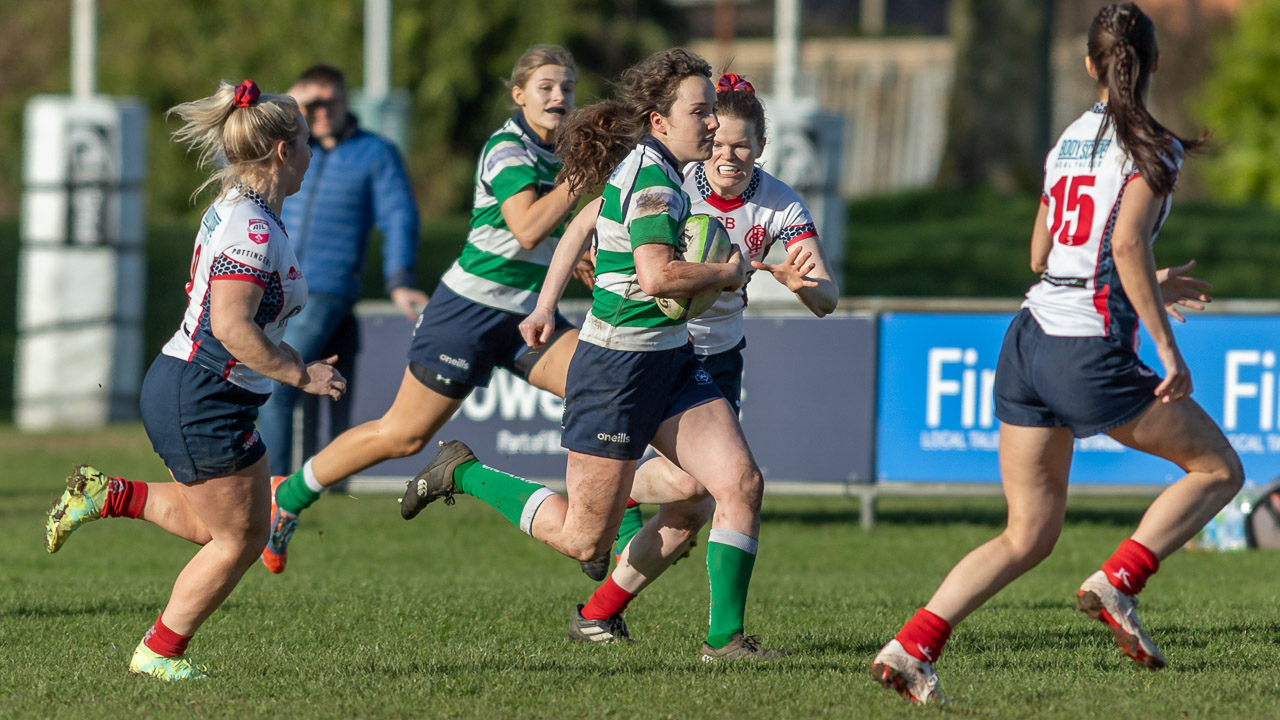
247	93
733	82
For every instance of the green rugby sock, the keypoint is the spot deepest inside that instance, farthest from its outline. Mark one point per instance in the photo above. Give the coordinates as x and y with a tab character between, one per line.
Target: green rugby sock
731	556
294	495
632	521
516	498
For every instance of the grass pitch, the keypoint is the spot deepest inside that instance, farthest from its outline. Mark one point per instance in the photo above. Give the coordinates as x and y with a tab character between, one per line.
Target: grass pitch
456	614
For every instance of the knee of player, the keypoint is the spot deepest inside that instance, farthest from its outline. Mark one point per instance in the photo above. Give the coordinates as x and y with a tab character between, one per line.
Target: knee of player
688	487
1222	465
702	510
588	549
745	487
1031	545
1230	474
245	542
403	444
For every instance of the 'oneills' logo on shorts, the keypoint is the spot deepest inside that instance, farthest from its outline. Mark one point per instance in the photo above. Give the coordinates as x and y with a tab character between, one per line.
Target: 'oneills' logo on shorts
259	231
456	362
616	437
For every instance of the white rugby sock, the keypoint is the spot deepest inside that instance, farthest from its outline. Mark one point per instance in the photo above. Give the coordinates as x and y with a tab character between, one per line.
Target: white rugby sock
309	477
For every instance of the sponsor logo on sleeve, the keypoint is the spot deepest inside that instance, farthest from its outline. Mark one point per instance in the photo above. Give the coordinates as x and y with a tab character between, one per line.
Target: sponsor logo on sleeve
294	273
259	230
245	252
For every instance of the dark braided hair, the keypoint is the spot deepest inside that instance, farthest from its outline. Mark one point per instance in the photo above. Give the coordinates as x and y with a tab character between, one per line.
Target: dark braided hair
594	139
1122	46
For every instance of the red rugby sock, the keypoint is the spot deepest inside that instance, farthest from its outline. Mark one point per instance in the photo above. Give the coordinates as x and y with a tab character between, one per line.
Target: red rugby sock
164	641
1130	567
924	636
606	601
125	498
632	503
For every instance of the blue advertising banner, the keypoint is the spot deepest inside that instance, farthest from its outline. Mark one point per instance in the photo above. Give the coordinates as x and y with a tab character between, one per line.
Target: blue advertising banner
808	407
935	411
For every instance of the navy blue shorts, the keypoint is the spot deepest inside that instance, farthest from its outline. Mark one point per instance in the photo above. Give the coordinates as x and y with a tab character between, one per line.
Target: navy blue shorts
1088	384
615	400
457	343
199	424
725	369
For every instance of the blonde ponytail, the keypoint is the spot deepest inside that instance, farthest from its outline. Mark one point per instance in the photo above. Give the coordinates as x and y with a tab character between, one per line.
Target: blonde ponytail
235	131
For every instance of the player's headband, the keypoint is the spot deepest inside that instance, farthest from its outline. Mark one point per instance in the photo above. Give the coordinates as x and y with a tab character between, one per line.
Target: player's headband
733	82
247	93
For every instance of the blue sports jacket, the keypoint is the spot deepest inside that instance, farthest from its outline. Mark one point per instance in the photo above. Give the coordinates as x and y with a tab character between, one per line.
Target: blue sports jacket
358	185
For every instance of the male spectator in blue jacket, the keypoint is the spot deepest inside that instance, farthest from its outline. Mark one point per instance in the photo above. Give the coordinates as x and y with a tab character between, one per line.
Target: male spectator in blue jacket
356	182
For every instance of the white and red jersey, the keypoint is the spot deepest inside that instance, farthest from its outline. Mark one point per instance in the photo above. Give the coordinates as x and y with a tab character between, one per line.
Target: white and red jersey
766	212
1084	180
240	238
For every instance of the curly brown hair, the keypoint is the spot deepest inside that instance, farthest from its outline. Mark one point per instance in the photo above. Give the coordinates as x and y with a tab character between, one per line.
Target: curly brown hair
594	139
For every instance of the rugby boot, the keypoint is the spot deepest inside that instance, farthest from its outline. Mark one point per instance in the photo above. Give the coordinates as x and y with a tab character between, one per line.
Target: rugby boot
740	647
597	569
436	479
83	501
148	662
283	523
1102	601
907	675
608	630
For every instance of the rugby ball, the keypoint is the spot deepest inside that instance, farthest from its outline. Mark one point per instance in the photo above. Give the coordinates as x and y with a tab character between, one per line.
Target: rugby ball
702	239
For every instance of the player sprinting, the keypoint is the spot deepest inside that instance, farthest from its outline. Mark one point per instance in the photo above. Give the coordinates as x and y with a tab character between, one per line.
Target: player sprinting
757	210
1068	367
634	379
202	393
470	325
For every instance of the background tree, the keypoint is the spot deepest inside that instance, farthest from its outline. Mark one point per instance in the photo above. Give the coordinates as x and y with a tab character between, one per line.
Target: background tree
998	122
1242	104
451	56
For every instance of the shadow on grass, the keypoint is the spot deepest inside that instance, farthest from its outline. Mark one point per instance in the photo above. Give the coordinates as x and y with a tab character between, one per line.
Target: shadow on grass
999	648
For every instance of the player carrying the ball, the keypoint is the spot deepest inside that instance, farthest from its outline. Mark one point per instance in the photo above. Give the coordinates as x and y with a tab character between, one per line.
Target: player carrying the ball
757	210
634	379
1069	366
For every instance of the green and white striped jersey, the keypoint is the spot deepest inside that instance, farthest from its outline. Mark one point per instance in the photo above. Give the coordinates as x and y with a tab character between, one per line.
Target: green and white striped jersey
493	269
643	203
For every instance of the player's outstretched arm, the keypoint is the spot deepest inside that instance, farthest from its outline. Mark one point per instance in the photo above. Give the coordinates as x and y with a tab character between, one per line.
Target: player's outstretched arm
536	328
1179	288
806	273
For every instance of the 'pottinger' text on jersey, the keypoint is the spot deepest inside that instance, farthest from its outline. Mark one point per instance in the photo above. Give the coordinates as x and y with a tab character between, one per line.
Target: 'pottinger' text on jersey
1084	180
493	269
240	238
766	212
643	204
